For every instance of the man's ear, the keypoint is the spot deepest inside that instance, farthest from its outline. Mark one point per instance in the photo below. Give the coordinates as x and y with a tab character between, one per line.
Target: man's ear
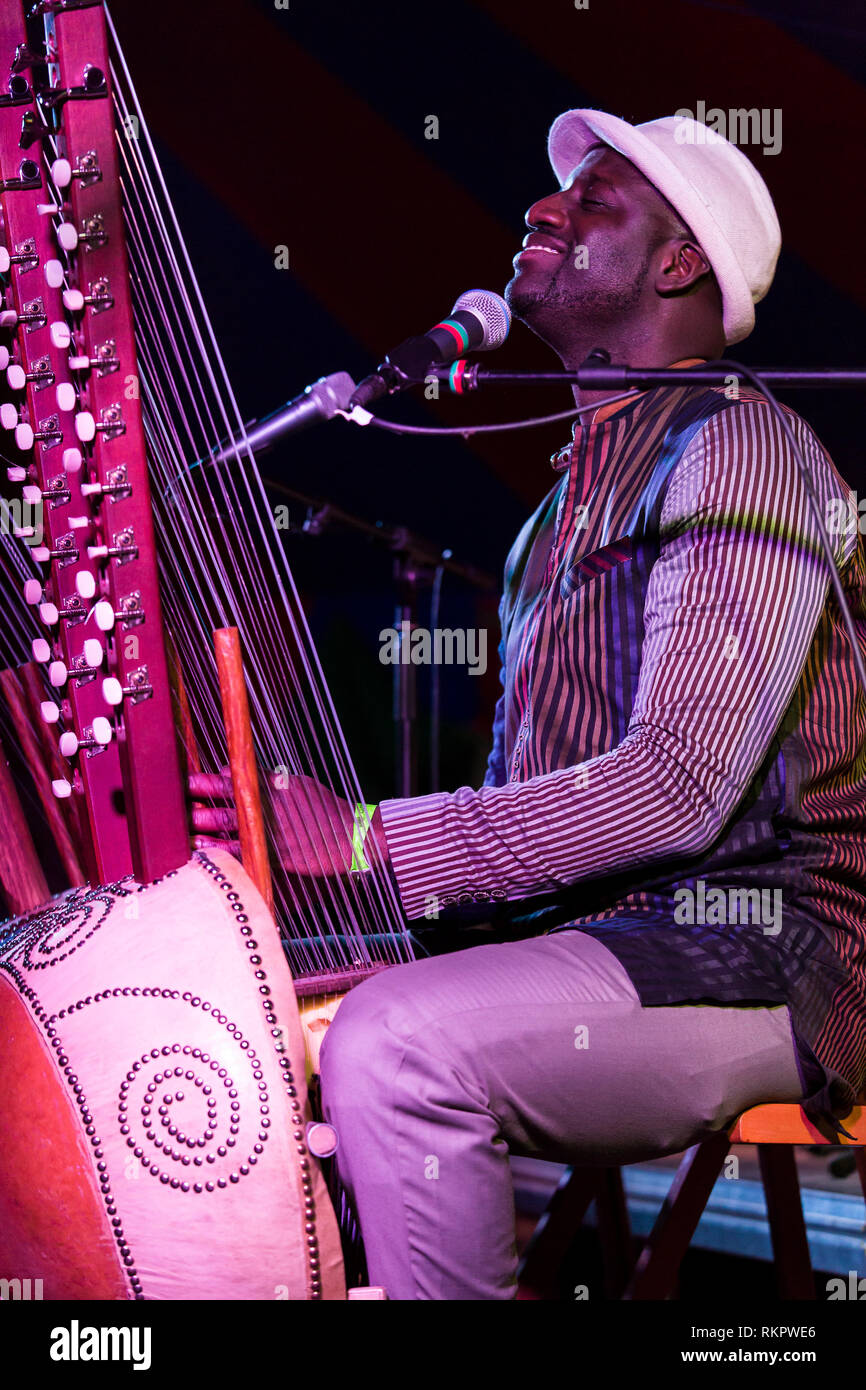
682	267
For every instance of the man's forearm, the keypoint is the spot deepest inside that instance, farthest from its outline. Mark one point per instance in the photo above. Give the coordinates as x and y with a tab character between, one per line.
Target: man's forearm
627	807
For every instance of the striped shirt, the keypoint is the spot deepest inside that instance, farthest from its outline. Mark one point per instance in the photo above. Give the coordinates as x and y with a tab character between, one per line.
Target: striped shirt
679	757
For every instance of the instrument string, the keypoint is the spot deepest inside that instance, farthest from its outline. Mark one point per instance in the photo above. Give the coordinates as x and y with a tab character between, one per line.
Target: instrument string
222	562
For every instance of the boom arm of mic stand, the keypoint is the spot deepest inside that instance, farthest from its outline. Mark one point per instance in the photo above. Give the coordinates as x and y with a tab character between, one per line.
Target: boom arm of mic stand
394	538
616	377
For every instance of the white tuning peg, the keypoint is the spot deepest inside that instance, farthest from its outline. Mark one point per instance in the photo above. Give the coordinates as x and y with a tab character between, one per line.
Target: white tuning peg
32	494
5	260
78	523
112	691
93	652
91	489
72	460
73	300
102	730
67	236
8	318
65	395
85	584
85	426
4	358
61	173
60	334
24	437
8	415
69	744
16	474
49	614
103	614
57	674
40	649
54	274
79	364
61	788
16	377
41	554
50	711
100	734
33	592
47	209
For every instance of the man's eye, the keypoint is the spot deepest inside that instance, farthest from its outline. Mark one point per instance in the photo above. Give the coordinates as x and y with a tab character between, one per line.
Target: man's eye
592	203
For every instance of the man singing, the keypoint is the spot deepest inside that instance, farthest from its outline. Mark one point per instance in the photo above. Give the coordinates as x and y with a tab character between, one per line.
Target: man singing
674	809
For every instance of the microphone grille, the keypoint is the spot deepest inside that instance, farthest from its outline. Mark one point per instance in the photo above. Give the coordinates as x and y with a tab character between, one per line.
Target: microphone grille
491	311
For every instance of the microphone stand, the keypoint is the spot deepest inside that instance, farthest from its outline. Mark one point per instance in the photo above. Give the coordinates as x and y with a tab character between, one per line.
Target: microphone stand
417	562
596	374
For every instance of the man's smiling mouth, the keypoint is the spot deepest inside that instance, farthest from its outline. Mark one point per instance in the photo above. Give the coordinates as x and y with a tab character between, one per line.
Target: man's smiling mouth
536	244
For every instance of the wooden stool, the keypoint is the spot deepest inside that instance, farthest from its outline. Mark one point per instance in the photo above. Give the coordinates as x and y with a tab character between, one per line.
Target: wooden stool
774	1128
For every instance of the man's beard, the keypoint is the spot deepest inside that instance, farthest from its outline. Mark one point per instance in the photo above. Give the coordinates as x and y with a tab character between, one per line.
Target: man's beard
556	301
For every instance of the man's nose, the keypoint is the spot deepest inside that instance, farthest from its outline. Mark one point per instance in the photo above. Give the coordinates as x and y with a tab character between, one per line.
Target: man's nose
548	212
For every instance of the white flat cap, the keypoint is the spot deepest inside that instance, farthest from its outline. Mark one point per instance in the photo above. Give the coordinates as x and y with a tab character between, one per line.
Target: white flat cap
714	187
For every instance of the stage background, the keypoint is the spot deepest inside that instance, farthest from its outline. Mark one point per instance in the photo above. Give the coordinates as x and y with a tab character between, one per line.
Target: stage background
305	128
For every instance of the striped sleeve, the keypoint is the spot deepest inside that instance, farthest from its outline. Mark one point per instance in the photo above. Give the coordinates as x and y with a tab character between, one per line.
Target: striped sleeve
731	609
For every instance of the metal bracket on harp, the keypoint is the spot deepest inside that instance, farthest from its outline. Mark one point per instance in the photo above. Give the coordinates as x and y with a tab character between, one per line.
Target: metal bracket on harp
139	688
123	549
87	170
25	57
94	87
99	298
41	374
110	423
56	492
48	433
33	128
29	176
24	255
64	551
19	93
116	485
32	316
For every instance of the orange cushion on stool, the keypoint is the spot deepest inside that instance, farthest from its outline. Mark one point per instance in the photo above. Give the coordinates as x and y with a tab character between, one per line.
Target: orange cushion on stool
787	1124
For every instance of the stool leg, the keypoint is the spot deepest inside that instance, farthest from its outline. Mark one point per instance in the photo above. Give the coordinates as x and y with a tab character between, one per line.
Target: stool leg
658	1263
543	1257
614	1231
785	1216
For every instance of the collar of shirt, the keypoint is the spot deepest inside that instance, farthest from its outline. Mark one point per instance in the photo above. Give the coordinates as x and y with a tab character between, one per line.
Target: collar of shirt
562	458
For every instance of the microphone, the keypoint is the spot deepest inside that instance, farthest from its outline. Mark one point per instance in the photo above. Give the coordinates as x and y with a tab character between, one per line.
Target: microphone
321	401
480	320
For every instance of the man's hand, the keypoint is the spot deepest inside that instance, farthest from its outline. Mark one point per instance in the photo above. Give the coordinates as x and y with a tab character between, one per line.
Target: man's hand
314	824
